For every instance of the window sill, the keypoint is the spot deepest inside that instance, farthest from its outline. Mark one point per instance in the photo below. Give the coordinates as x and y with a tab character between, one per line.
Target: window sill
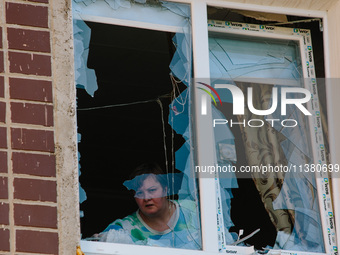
98	248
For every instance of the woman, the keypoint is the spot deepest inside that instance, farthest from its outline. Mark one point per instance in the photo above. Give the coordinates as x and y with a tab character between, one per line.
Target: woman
158	221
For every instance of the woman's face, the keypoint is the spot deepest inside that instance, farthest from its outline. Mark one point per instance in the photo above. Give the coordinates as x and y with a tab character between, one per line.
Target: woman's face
151	197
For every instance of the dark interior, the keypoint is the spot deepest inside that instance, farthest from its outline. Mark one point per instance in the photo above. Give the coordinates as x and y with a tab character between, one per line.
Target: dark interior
122	131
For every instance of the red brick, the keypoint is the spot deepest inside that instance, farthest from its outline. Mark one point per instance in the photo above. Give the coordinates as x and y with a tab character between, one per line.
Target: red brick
35	216
34	140
4	214
30	40
4	240
37	190
35	90
34	164
3	188
0	37
3	162
27	15
1	62
3	137
36	114
26	63
36	242
2	112
2	87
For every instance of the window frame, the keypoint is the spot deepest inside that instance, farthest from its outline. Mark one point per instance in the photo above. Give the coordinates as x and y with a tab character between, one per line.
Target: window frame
205	154
303	49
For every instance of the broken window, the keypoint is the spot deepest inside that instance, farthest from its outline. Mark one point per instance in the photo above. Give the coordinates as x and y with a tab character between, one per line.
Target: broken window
134	83
133	108
269	190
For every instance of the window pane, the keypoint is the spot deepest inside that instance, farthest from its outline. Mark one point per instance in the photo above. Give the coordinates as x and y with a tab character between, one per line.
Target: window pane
258	142
133	123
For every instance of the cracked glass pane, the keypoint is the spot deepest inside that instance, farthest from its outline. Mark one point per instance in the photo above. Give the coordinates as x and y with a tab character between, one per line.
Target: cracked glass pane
278	209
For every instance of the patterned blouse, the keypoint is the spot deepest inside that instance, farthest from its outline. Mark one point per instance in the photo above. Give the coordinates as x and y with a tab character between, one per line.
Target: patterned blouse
183	232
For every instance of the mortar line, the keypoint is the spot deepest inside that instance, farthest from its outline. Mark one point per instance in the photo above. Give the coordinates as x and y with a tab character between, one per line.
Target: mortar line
8	125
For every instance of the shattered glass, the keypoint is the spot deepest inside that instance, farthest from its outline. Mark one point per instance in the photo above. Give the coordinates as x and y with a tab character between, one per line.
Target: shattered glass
260	64
84	76
232	58
181	189
263	64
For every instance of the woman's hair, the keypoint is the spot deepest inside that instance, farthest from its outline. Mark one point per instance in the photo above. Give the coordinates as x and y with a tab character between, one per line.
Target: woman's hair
144	170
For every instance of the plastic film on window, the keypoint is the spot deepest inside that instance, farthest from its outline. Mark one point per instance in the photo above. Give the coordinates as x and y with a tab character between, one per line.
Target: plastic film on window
265	68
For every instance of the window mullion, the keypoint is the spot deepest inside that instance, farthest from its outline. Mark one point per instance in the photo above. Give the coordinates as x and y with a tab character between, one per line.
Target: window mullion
204	132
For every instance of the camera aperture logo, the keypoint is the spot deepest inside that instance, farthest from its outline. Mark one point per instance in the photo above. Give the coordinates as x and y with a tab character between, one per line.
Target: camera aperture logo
238	100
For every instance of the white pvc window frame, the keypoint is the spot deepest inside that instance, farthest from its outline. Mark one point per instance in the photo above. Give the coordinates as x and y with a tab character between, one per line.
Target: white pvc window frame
205	148
315	146
201	62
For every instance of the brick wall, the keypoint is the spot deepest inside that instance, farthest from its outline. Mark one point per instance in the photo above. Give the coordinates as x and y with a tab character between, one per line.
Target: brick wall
28	182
